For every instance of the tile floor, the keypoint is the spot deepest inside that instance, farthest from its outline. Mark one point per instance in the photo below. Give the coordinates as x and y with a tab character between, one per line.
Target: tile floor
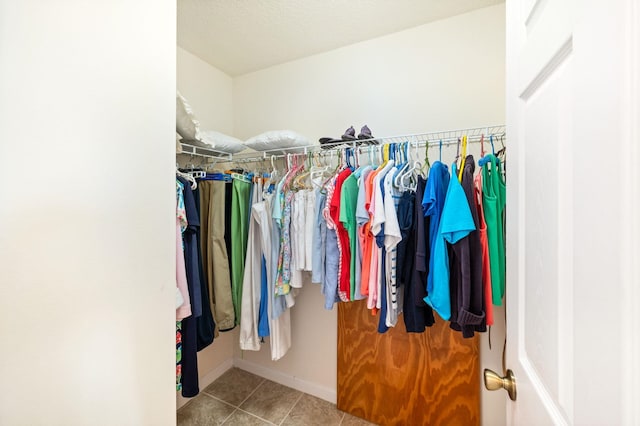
241	398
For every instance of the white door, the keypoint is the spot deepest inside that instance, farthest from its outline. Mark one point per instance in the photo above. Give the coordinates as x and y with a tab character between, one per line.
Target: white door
572	211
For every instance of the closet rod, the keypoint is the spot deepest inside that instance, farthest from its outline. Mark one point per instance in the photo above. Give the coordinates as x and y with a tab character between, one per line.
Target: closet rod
361	149
417	140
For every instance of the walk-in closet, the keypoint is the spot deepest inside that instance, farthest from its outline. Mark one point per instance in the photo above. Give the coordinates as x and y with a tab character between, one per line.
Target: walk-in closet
311	212
408	97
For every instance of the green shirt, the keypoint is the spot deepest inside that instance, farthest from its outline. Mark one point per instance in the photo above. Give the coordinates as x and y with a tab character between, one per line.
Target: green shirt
493	202
348	202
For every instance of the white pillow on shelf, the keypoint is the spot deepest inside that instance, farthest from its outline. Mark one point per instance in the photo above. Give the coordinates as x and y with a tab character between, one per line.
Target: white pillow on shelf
218	141
187	125
178	144
277	139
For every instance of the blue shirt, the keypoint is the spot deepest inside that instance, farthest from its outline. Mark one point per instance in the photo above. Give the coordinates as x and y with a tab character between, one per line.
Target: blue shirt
319	240
362	215
432	204
263	313
456	223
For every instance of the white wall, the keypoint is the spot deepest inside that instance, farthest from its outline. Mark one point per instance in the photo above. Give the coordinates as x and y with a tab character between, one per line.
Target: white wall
209	91
444	75
87	207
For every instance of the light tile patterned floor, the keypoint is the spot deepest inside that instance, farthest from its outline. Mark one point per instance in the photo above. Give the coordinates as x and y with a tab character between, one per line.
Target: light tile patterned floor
240	398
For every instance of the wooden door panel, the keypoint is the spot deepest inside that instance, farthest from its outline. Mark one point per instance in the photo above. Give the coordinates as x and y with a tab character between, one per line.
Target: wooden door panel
401	378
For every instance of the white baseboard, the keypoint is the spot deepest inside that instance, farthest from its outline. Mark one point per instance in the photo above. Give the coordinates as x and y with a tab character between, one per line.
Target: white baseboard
207	380
305	386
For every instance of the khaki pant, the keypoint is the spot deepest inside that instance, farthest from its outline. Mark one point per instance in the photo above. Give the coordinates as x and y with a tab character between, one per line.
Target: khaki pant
214	252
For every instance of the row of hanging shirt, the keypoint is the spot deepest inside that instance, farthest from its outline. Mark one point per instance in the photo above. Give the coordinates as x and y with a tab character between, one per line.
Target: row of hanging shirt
409	239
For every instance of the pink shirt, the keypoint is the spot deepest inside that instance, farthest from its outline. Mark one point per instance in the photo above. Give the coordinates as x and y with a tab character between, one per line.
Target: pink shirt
184	310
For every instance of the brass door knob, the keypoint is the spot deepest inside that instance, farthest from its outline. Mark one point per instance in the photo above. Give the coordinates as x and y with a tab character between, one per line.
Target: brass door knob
492	381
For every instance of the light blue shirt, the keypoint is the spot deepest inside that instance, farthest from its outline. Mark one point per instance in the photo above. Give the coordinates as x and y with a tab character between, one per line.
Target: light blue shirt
456	223
319	241
432	205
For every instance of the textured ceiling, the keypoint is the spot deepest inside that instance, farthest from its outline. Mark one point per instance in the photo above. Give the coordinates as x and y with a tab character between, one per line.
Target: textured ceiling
241	36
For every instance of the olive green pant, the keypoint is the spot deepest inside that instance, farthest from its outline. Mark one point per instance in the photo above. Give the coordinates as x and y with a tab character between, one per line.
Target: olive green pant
214	252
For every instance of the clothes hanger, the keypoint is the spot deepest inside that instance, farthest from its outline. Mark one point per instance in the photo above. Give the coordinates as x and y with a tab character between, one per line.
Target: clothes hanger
242	177
190	178
293	166
501	155
348	153
403	166
335	171
374	155
385	155
299	181
427	163
319	169
502	150
359	166
464	157
400	164
355	156
381	155
274	171
408	182
487	158
272	178
196	173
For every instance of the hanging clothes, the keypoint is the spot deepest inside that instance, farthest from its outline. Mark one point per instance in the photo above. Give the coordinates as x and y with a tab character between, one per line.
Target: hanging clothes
347	216
205	323
376	209
407	244
319	241
365	216
466	291
252	282
433	203
493	192
240	234
362	220
309	224
279	314
278	304
263	307
413	272
344	248
178	355
184	308
392	237
484	243
214	252
332	253
456	223
382	266
190	381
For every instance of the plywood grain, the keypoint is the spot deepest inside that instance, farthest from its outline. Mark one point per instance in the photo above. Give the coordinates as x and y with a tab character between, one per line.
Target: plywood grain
401	378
